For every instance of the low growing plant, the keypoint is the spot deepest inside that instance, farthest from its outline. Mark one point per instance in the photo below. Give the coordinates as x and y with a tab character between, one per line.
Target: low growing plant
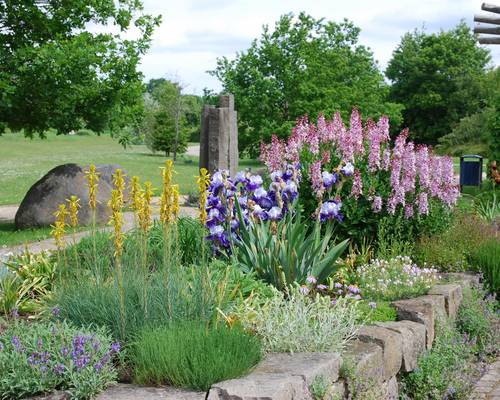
36	358
295	322
393	279
193	355
443	372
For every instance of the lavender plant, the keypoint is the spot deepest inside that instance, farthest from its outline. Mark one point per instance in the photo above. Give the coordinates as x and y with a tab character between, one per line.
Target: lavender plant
36	358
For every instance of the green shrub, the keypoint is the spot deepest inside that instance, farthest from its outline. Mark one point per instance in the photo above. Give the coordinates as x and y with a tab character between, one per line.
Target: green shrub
449	250
36	358
192	355
486	258
381	311
445	371
288	252
477	319
393	279
298	323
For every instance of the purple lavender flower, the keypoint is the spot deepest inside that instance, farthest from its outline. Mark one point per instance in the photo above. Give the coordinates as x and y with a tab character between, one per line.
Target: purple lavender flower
56	311
321	287
59	369
1	346
304	290
372	305
115	347
353	289
334	302
64	351
14	313
311	279
17	343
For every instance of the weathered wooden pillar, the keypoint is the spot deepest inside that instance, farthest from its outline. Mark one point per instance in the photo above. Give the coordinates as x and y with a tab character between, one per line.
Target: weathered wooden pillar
219	136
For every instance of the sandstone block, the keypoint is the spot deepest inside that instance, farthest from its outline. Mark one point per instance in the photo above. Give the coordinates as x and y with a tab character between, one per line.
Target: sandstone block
452	294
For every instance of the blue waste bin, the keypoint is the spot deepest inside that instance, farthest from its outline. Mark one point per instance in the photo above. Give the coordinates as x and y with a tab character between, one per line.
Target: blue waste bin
471	170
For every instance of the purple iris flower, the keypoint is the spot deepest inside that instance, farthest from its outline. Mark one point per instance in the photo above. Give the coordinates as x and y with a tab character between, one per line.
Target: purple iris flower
259	213
328	179
330	210
276	176
240	177
259	194
254	182
274	213
348	169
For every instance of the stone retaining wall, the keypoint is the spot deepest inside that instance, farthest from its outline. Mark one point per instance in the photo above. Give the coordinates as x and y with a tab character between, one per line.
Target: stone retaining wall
374	358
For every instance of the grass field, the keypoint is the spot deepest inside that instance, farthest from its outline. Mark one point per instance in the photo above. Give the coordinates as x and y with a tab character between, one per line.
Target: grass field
24	161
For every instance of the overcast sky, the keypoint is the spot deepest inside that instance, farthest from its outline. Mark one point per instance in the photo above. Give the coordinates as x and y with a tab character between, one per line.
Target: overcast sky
195	32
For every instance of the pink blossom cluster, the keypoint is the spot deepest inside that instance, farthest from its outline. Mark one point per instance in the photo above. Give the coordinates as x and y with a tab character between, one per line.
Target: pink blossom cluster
411	174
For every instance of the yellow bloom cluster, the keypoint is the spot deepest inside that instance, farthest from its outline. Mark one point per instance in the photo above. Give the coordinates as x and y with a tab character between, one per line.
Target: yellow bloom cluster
92	177
59	227
203	181
175	202
167	214
73	205
144	212
135	193
116	205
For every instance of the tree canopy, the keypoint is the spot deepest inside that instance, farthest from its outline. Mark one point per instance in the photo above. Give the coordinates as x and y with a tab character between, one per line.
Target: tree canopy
438	77
303	66
55	73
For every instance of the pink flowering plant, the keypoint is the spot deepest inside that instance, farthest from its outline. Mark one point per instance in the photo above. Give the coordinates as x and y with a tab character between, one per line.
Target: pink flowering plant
357	175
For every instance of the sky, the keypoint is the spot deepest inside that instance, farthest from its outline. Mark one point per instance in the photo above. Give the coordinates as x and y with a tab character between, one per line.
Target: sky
194	33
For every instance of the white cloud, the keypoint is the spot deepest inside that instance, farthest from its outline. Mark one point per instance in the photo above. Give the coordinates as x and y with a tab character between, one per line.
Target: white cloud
195	32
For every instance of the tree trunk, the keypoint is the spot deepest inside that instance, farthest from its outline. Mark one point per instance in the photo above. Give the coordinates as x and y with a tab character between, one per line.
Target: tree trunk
177	117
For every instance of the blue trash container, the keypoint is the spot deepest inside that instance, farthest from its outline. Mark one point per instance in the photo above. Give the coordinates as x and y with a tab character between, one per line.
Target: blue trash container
471	170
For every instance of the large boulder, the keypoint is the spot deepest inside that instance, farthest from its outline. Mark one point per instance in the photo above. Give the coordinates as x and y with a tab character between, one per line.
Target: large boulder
43	198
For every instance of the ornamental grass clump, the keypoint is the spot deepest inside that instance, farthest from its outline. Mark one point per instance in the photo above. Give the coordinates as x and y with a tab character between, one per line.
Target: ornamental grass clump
36	358
397	278
295	322
193	355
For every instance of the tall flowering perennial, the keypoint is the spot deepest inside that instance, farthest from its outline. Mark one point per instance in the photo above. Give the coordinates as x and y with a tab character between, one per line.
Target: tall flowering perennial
243	196
59	227
166	195
144	211
175	202
203	180
92	177
73	206
135	194
358	165
116	205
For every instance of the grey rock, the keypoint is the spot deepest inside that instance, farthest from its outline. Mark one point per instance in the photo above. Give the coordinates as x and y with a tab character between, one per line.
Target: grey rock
463	278
420	312
390	389
391	343
367	361
134	392
43	198
337	391
452	294
306	365
280	376
413	341
261	386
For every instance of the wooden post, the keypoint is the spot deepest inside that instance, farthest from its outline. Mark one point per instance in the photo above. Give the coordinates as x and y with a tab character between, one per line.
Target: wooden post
489	40
491	8
487	19
494	30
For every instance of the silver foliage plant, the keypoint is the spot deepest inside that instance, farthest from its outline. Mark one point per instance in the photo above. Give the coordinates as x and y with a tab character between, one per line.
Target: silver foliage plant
293	322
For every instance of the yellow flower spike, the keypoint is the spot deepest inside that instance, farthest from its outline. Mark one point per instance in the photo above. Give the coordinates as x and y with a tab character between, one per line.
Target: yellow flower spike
145	208
59	227
92	177
203	180
166	196
175	203
135	189
116	220
119	184
73	205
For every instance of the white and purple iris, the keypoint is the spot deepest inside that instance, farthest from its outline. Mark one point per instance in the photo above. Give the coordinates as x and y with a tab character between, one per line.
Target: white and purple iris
330	210
348	169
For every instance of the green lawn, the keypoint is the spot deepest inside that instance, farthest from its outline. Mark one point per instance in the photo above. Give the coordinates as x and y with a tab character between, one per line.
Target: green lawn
24	161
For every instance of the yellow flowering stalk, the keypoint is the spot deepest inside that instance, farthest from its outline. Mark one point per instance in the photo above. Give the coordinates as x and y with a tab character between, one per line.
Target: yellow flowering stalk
92	177
119	183
166	196
203	180
135	190
73	205
175	203
144	212
59	227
